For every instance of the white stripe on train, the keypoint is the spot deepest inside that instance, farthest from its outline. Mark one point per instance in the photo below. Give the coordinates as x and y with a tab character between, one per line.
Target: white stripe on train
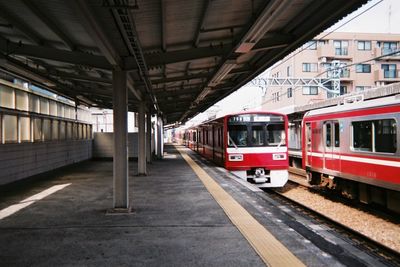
358	159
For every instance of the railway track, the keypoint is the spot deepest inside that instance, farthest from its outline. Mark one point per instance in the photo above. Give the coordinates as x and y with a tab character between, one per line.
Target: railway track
376	248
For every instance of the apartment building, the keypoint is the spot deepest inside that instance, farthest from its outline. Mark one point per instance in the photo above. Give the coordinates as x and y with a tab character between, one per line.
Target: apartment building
368	60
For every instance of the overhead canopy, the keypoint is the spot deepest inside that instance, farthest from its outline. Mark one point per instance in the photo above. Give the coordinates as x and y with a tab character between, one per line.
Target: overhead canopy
182	56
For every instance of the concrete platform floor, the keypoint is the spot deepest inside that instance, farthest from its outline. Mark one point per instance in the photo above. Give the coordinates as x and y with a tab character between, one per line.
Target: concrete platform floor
176	221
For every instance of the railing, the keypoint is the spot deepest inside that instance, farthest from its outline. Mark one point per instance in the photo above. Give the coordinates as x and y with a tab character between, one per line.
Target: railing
341	51
387	51
390	74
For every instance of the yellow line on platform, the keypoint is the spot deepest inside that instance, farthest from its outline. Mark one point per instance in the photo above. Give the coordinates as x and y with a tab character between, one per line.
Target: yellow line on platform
271	251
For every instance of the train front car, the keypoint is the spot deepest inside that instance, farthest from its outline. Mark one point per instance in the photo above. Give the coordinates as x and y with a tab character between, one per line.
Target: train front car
256	147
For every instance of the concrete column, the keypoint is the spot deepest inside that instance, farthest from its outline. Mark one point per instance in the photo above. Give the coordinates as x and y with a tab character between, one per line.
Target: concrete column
160	138
120	159
148	139
142	140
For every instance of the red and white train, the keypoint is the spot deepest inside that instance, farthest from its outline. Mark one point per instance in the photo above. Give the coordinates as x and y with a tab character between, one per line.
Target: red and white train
355	148
252	145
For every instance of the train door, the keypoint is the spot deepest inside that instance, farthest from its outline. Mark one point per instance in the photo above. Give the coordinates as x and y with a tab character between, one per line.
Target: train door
331	145
307	144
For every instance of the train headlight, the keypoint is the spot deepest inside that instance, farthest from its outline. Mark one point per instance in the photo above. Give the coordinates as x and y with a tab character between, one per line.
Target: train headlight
280	156
235	157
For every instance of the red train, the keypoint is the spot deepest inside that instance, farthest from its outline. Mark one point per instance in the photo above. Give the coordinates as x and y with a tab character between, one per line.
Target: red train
355	148
252	145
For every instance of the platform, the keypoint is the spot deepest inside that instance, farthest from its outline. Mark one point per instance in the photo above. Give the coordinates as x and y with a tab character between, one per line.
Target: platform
176	220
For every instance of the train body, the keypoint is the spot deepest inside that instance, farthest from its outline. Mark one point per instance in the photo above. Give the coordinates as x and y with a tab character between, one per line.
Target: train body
354	147
251	145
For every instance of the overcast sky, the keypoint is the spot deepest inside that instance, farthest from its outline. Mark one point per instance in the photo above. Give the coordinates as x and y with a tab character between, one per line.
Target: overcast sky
383	17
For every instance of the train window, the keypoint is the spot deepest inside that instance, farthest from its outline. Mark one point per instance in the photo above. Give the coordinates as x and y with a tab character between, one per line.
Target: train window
337	134
276	134
385	135
257	135
328	134
237	135
362	135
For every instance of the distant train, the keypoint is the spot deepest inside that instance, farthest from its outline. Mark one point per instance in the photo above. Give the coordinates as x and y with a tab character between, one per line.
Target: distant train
355	148
252	145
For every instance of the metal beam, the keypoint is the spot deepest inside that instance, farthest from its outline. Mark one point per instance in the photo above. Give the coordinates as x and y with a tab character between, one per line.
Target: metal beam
181	78
50	24
82	78
206	4
41	52
158	59
163	26
126	24
273	41
95	30
20	25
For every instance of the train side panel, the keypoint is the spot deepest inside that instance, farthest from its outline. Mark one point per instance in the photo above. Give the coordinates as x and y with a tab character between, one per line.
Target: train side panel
359	145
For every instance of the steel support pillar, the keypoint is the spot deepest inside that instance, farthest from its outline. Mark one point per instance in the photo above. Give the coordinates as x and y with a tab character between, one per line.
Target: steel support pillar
142	140
148	141
120	158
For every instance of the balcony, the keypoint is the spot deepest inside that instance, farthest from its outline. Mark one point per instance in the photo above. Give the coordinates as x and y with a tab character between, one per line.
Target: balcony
387	51
333	53
387	75
345	75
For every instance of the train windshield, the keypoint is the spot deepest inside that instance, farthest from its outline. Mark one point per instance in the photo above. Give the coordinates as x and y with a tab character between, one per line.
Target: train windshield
237	135
276	134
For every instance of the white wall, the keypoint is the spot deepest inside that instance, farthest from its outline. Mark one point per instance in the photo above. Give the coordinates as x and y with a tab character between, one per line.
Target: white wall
103	145
19	161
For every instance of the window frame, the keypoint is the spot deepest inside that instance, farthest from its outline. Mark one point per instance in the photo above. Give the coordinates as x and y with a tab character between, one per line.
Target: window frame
373	136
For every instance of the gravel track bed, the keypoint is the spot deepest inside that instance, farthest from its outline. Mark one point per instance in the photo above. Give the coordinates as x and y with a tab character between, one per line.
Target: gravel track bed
381	230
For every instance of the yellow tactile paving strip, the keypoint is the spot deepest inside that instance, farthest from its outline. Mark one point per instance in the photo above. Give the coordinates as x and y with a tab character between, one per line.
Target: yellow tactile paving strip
271	251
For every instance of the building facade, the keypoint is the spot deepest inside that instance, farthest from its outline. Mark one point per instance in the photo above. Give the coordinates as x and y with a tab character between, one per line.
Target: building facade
366	61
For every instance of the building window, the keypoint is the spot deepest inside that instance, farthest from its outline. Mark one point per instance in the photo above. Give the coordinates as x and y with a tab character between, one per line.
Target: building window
363	68
343	89
289	92
389	70
364	45
341	48
288	71
310	90
310	67
311	45
275	97
345	73
389	47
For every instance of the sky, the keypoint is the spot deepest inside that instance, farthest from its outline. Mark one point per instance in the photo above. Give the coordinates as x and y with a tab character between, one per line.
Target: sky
377	16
